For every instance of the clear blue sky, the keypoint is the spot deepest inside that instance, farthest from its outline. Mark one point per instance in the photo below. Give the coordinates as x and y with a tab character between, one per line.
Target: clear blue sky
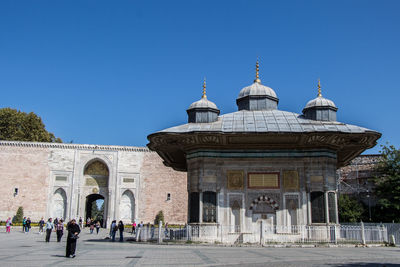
112	72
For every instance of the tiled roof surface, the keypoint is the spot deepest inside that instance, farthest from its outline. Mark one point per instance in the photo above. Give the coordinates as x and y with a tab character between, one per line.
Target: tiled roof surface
266	121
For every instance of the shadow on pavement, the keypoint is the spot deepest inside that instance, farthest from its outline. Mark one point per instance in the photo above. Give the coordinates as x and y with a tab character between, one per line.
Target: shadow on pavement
366	264
58	256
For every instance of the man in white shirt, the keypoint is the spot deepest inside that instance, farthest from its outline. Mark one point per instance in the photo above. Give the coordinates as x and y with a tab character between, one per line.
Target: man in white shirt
49	228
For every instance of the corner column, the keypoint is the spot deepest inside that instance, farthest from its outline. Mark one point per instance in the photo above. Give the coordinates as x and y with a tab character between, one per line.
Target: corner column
200	206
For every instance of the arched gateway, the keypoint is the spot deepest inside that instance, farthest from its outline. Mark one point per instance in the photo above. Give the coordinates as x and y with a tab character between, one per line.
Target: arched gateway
95	190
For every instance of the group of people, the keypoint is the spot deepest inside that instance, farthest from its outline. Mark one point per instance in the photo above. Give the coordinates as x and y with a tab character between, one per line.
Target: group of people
26	225
115	228
92	224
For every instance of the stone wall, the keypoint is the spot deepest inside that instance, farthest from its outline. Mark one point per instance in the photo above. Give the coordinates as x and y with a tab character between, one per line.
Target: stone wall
157	182
25	168
33	168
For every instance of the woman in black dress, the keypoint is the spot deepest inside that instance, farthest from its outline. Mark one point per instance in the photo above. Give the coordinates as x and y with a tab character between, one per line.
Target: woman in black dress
73	232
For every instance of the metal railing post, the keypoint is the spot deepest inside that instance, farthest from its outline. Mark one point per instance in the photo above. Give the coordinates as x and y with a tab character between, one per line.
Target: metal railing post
159	232
363	234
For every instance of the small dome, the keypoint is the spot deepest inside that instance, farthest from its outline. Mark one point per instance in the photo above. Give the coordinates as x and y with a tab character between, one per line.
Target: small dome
203	103
320	102
257	89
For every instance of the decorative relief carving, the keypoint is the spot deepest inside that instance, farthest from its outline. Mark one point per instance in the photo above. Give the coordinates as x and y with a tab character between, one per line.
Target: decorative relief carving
264	180
210	179
96	181
316	179
235	180
291	180
264	204
331	180
128	180
210	139
316	139
96	168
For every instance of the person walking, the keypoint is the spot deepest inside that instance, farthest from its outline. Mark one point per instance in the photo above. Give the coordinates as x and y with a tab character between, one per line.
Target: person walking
49	228
41	224
121	231
23	224
133	228
27	225
97	227
166	231
80	222
113	230
73	232
91	227
8	225
60	230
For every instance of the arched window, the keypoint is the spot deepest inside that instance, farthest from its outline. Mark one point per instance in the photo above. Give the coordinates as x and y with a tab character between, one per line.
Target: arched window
59	204
127	206
209	206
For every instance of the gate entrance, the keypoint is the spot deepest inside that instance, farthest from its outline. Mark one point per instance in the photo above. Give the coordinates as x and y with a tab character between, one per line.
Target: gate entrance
95	208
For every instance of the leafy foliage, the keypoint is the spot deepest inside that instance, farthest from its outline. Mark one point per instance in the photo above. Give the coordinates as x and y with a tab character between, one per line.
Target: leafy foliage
16	125
97	213
159	217
388	184
350	210
19	216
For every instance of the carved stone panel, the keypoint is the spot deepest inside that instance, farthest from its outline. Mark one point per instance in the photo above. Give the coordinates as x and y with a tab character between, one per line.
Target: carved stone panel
291	180
264	180
235	180
316	179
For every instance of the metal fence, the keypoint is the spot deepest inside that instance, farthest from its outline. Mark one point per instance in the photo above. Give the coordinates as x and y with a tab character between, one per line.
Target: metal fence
392	228
266	234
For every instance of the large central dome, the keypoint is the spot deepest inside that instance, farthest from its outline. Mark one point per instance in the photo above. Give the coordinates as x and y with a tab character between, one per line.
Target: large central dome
257	89
257	96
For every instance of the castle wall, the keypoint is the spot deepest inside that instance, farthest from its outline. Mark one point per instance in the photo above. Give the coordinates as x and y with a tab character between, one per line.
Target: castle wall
25	168
51	182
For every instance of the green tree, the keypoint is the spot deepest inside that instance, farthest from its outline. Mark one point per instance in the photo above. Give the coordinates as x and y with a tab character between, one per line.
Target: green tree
16	125
350	210
159	217
19	216
387	184
94	210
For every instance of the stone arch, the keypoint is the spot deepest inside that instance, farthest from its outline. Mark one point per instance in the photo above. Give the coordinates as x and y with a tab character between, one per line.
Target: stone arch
59	207
96	173
264	199
127	206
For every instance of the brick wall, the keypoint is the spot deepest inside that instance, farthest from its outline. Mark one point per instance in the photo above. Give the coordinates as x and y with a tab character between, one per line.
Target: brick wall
157	182
25	169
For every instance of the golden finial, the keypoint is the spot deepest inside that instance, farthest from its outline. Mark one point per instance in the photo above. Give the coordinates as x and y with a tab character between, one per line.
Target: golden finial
204	88
319	87
257	80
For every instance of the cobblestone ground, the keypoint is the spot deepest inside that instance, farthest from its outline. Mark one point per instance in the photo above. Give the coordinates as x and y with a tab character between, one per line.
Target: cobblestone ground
18	249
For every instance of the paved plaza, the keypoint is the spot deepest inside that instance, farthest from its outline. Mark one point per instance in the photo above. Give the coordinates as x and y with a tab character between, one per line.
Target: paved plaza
18	249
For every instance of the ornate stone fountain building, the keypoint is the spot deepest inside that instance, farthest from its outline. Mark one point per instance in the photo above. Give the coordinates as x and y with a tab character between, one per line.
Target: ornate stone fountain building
261	164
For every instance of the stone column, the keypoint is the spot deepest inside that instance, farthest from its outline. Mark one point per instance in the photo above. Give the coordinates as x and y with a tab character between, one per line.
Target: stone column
326	207
336	209
109	208
200	206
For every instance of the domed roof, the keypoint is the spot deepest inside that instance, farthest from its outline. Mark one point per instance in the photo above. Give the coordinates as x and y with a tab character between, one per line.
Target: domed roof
257	89
203	103
320	102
